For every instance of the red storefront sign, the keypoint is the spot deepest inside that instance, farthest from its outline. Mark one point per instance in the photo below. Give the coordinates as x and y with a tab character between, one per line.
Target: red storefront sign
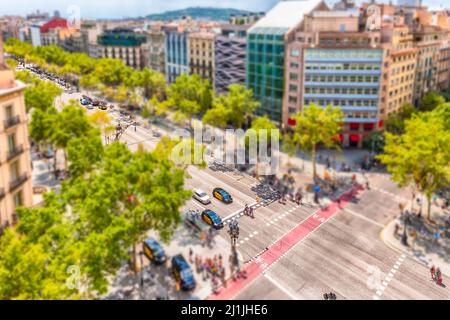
291	122
380	123
368	126
354	137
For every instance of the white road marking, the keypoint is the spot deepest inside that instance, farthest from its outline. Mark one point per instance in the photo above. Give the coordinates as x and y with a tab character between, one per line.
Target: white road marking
198	204
255	233
364	217
282	288
246	238
242	241
376	298
379	293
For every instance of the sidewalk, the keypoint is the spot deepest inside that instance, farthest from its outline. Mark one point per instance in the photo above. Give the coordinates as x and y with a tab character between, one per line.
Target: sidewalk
424	243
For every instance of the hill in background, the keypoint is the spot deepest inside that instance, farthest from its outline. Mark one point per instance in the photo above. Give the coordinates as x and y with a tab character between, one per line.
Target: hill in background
198	13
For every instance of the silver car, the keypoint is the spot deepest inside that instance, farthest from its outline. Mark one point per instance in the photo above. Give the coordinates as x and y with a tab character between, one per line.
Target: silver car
201	196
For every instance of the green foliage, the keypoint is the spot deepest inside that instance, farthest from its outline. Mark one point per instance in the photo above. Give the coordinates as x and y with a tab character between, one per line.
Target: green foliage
430	101
235	107
420	157
395	122
188	96
41	95
317	126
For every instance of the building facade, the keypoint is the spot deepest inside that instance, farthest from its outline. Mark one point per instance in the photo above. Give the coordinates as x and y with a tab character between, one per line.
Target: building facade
230	57
156	50
400	69
123	44
176	54
15	163
201	53
266	48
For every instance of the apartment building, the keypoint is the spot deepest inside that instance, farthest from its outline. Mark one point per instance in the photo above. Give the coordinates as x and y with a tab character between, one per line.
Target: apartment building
267	40
201	54
230	56
15	163
124	44
428	41
400	68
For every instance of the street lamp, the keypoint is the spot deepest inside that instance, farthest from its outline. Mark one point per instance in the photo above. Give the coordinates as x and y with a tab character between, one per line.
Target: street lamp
141	253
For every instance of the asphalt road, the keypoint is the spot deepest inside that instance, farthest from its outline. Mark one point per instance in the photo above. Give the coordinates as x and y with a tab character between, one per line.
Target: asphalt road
339	250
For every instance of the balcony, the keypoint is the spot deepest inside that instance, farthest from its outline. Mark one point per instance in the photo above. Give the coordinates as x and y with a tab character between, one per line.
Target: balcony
11	122
342	84
13	185
341	96
15	152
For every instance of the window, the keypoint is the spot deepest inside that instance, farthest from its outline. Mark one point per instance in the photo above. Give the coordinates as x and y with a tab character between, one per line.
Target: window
17	198
293	88
9	112
14	170
293	76
292	99
11	142
295	53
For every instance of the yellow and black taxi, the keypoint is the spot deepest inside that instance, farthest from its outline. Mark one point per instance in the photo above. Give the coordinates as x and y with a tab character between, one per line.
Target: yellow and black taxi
154	251
211	218
183	273
222	195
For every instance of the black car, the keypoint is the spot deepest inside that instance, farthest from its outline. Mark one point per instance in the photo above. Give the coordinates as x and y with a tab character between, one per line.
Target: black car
154	251
183	273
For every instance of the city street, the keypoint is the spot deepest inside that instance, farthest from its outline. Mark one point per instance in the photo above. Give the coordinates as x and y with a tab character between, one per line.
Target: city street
295	251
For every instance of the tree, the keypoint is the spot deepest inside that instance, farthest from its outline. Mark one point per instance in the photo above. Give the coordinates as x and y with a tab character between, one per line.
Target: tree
317	126
152	82
217	116
288	146
41	95
239	102
430	101
395	122
101	120
188	96
420	157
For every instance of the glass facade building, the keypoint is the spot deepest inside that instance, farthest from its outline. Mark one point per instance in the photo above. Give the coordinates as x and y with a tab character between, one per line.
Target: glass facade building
176	52
265	69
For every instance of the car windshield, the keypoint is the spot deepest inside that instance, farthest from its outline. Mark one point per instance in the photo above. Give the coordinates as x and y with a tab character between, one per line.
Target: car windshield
216	219
201	194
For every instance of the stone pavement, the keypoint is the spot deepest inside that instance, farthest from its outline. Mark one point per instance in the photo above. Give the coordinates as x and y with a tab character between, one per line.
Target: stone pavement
158	282
428	243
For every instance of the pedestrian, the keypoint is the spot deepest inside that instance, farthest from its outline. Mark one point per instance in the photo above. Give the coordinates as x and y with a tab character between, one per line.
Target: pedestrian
438	276
396	228
191	253
432	271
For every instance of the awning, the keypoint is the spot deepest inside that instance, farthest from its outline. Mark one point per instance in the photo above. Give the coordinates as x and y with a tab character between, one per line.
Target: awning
291	122
354	137
354	126
341	137
368	126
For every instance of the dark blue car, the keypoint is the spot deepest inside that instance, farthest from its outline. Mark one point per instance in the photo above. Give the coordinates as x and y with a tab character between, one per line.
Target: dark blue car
211	218
183	273
222	195
154	251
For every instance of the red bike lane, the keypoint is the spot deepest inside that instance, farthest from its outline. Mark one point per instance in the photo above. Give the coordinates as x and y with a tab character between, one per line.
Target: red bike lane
257	266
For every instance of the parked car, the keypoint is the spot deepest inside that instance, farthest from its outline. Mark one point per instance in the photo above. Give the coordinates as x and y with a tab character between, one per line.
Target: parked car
183	273
154	251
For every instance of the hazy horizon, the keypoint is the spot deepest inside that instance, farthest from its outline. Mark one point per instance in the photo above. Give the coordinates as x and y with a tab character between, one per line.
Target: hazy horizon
115	9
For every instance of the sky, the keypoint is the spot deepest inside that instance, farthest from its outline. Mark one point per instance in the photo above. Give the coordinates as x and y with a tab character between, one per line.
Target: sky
135	8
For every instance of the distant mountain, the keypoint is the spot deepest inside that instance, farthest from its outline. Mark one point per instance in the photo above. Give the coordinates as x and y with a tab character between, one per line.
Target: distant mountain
198	13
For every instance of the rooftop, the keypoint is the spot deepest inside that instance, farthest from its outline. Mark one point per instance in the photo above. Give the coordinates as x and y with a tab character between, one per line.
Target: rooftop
286	14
